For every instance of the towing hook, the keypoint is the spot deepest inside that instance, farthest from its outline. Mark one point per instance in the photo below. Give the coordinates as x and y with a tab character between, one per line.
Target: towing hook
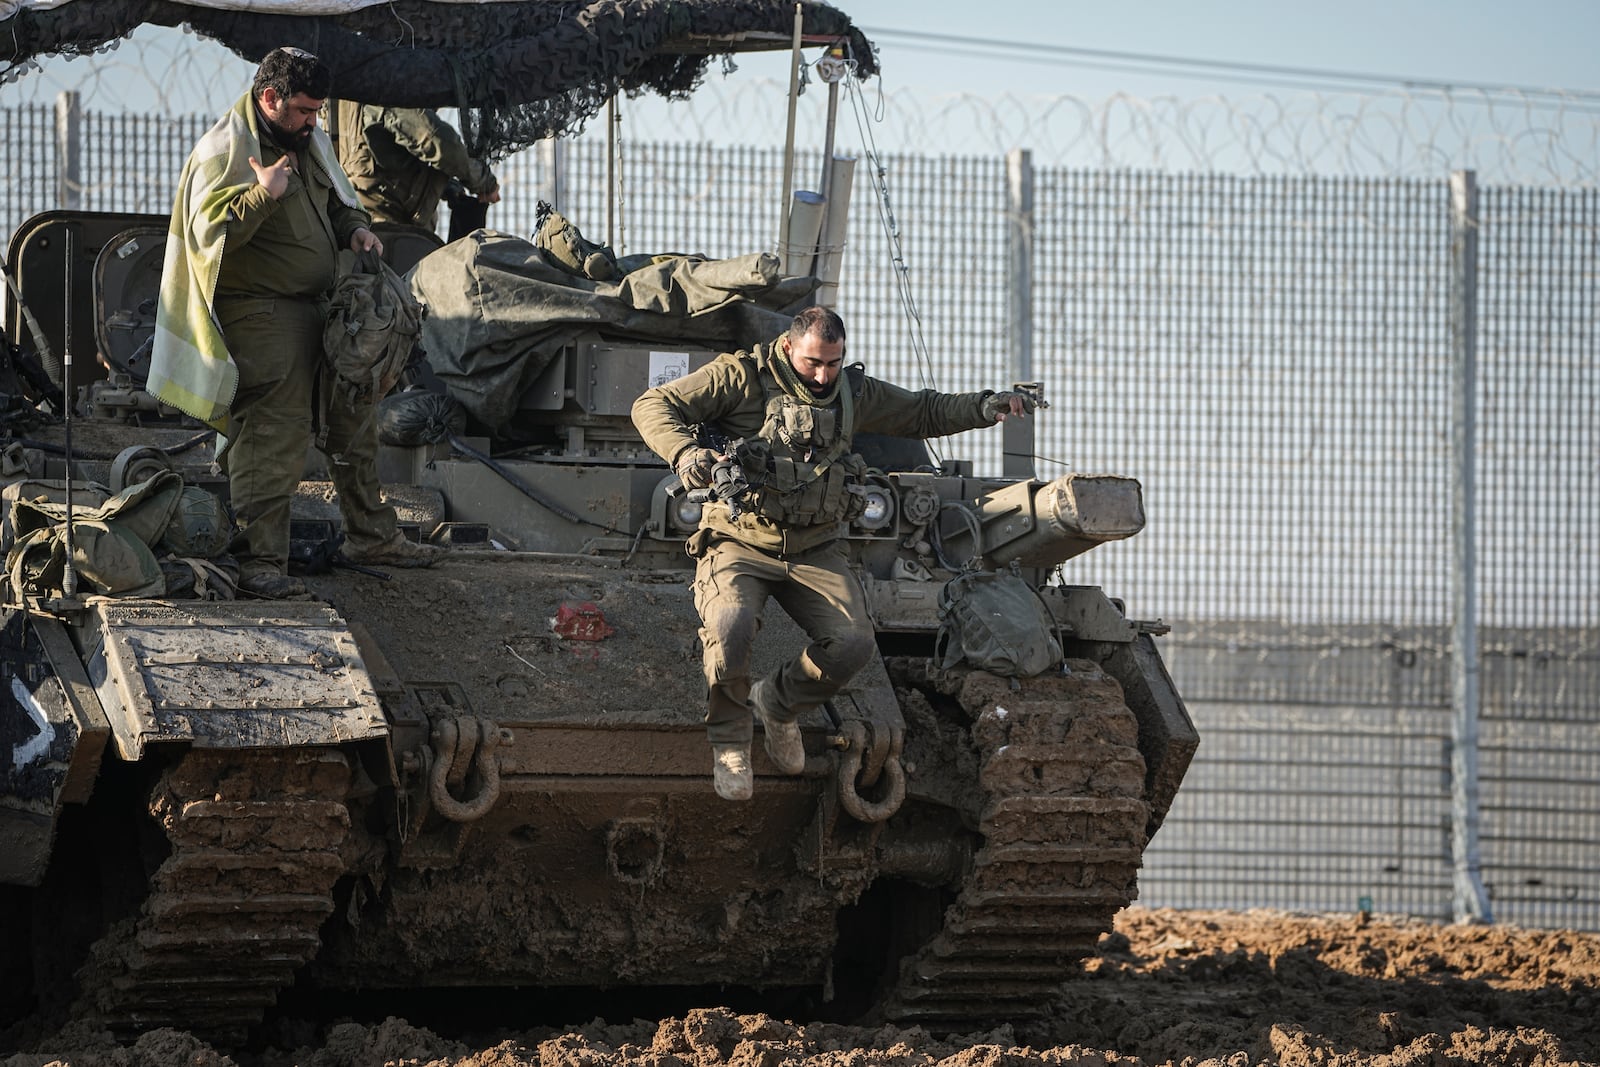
474	746
855	734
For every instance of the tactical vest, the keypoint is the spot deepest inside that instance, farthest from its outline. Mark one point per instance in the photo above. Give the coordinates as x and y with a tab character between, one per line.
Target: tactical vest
801	467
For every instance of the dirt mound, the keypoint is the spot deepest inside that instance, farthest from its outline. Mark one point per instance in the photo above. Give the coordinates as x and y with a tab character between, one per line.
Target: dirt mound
1170	987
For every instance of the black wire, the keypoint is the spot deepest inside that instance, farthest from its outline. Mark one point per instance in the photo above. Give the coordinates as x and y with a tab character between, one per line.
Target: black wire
1231	69
170	450
891	230
527	490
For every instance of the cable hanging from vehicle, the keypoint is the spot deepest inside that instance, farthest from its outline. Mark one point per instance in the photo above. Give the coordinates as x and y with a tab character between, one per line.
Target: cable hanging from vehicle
898	266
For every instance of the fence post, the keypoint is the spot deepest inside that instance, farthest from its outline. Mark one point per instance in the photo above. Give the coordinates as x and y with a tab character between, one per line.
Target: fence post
552	155
69	145
1017	435
1470	900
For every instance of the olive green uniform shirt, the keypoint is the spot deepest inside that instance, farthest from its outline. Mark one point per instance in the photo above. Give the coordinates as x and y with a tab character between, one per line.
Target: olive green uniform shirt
289	246
730	393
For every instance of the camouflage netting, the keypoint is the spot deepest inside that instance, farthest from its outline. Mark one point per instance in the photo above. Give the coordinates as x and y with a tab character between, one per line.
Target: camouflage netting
519	71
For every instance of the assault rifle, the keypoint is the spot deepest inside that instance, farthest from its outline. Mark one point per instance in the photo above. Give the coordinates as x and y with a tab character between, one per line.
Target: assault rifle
729	483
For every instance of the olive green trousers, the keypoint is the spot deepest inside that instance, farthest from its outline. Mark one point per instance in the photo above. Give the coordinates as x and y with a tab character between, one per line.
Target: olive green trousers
819	592
282	400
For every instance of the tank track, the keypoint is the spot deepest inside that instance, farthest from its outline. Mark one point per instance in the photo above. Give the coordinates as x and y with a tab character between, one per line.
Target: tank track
237	906
1063	819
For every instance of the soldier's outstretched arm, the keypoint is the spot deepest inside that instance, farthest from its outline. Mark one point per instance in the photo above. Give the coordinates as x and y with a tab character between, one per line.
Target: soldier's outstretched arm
922	413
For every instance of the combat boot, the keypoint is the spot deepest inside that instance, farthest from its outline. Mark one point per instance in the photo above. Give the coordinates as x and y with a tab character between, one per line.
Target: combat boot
270	585
783	741
398	551
731	773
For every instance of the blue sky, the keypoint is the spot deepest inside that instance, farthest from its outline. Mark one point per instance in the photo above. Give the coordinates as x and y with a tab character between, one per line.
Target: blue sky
1538	45
1542	43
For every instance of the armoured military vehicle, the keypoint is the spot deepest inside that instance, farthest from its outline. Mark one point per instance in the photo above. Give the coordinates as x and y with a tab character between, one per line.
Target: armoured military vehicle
493	773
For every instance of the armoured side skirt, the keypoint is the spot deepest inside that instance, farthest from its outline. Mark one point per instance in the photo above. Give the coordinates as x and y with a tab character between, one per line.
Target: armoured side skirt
52	732
232	674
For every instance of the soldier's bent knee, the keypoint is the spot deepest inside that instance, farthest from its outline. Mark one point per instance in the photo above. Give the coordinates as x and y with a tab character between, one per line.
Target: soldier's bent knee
848	652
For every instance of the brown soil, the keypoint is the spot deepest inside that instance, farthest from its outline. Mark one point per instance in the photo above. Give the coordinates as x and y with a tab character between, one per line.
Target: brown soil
1170	987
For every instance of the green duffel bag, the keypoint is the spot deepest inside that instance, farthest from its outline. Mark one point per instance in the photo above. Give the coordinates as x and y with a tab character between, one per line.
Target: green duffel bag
993	621
111	540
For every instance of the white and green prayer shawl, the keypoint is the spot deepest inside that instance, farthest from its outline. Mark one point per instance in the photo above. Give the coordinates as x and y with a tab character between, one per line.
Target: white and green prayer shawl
190	367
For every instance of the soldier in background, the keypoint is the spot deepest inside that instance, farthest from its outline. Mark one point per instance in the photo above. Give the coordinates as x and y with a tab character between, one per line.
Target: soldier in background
401	160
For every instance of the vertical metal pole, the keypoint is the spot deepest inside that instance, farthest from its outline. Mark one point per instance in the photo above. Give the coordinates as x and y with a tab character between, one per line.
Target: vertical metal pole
553	172
788	141
69	149
827	148
620	243
1470	899
611	170
69	576
832	69
1017	435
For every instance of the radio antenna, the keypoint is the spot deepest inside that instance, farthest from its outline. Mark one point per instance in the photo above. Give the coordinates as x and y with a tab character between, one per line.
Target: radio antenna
69	577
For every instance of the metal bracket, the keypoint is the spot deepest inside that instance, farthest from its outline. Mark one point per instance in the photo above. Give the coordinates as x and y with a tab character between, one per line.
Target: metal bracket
863	760
459	747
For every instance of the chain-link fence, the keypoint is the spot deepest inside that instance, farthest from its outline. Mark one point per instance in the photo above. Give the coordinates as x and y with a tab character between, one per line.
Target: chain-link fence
1272	356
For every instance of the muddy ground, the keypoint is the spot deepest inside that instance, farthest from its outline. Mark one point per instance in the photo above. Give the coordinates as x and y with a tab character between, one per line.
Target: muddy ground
1170	987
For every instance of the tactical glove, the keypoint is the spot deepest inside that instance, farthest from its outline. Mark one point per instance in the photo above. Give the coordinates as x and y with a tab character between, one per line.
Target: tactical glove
695	467
996	405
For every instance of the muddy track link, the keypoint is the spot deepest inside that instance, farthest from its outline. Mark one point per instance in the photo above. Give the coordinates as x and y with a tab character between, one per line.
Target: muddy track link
237	907
1063	821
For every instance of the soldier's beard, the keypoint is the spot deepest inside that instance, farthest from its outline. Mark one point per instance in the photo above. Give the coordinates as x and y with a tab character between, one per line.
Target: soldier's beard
290	139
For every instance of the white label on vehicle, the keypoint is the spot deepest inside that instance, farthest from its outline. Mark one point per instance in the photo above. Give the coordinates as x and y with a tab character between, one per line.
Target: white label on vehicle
667	366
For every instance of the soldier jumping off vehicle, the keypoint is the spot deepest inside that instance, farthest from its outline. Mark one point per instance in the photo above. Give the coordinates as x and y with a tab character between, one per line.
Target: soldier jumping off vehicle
797	407
261	214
